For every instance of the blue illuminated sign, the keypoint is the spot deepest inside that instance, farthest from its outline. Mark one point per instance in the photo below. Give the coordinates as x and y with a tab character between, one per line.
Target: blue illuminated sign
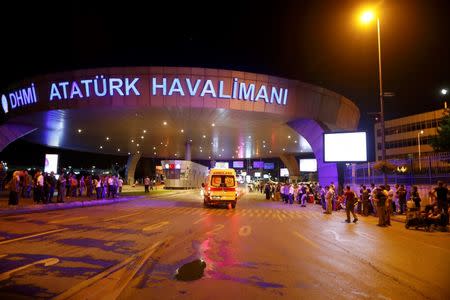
238	90
19	98
100	86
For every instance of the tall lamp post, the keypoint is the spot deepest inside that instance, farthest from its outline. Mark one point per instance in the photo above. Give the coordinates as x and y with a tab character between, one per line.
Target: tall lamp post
418	144
367	17
444	92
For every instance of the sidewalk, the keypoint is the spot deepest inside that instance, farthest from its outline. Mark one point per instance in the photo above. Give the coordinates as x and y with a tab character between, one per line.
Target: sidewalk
27	205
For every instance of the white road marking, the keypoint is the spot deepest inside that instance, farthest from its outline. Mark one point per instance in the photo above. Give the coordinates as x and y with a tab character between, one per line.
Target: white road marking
46	262
245	230
218	228
199	220
139	258
365	235
155	226
31	236
121	217
336	235
305	239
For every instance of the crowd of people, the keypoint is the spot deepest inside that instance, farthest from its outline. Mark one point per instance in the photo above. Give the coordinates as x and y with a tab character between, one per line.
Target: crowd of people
43	186
380	201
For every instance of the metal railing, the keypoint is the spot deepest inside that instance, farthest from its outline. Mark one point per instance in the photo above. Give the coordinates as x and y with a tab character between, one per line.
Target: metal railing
411	171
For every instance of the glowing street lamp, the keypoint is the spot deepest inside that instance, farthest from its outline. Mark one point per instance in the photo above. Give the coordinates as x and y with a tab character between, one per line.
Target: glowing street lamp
444	92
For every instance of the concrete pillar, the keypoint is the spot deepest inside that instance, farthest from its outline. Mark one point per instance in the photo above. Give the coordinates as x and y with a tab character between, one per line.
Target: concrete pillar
132	162
291	163
312	131
11	132
187	155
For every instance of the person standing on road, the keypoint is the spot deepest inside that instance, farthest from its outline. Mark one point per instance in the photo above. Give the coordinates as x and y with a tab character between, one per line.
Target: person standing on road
61	187
442	197
350	204
291	193
120	185
381	196
389	200
395	204
14	189
329	198
365	195
146	184
267	191
401	194
51	181
39	187
98	187
415	197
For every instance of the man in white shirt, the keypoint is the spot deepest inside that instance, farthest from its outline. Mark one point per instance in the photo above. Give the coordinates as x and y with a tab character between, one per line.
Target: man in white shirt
291	194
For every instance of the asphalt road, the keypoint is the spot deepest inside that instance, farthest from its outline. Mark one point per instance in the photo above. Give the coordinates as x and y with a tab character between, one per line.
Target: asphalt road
260	250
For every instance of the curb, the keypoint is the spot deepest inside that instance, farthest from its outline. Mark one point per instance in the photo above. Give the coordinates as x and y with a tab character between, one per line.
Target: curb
59	206
68	205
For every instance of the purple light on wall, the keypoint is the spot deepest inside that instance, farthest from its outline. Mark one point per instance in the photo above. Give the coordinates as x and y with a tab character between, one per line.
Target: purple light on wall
313	133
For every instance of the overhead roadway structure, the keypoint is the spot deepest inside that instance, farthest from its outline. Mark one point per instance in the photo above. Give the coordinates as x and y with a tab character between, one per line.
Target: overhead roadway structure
177	113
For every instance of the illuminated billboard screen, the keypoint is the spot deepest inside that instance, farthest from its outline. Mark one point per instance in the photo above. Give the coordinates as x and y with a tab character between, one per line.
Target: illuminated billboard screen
269	166
221	165
51	163
238	164
258	164
284	172
345	147
308	165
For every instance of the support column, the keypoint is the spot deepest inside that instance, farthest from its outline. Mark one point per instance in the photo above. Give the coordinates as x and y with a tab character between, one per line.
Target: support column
312	131
187	155
291	163
132	162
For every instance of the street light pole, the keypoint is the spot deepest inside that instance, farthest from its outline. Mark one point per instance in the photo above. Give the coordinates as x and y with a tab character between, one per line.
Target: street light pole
380	79
444	93
418	144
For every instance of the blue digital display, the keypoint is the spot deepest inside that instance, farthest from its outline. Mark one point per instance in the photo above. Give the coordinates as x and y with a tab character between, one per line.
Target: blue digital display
269	166
258	164
238	164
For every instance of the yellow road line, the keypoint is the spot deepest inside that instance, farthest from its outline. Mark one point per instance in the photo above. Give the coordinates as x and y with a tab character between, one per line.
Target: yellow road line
305	239
67	220
31	236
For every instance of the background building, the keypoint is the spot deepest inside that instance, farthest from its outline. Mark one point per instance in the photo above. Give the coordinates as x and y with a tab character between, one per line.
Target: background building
404	134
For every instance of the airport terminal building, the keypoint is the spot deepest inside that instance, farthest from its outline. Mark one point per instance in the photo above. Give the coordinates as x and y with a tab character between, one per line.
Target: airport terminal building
176	113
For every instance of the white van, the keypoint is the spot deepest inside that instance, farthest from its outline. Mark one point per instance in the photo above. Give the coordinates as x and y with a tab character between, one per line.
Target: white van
221	187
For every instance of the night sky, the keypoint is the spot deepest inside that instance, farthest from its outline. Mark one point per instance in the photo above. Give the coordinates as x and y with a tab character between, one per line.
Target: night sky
318	42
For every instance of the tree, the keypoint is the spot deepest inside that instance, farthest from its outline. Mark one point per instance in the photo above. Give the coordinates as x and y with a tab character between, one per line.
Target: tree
441	142
384	166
